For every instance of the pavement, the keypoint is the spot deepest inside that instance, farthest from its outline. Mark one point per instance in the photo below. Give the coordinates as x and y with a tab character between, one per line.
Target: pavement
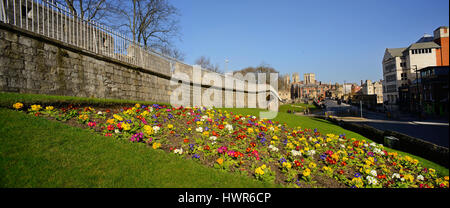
432	130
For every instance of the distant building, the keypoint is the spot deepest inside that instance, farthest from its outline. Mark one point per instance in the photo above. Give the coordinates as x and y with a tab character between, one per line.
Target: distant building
308	88
309	78
373	88
400	64
295	77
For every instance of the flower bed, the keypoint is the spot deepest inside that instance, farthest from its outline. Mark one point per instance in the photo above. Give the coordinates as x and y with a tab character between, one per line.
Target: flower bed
266	150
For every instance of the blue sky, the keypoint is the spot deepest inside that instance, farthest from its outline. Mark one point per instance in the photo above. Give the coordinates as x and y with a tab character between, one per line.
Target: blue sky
336	40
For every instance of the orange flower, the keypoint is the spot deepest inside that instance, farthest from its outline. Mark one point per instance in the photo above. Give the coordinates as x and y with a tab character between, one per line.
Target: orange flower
220	161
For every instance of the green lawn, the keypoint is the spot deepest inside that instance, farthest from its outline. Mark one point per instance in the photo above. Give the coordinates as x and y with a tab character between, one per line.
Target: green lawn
297	107
36	152
327	127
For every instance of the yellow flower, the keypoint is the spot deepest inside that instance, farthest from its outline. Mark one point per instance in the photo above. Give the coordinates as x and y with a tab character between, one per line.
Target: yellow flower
110	121
126	126
36	107
137	105
18	106
287	165
119	118
206	133
145	113
264	167
156	145
49	108
312	165
148	130
326	169
432	171
83	117
306	172
357	182
169	126
409	177
259	171
250	130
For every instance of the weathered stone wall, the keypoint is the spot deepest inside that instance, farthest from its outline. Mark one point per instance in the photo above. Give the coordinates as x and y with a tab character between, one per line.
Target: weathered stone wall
32	63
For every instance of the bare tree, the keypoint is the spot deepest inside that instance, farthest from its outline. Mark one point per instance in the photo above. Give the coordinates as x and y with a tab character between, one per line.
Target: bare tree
205	63
152	23
88	9
172	52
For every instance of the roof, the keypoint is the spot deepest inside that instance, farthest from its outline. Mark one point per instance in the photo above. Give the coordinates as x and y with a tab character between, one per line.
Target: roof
424	45
425	38
395	52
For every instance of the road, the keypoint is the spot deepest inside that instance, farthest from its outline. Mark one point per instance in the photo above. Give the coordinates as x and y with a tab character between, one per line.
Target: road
432	131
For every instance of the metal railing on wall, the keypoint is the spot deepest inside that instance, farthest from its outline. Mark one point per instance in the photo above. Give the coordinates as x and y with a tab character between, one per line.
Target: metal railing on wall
56	21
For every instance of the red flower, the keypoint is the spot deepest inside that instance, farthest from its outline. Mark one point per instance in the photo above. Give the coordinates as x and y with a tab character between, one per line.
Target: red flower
186	140
206	147
221	126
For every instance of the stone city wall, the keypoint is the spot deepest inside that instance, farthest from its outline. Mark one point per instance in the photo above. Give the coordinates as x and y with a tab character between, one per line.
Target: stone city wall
32	63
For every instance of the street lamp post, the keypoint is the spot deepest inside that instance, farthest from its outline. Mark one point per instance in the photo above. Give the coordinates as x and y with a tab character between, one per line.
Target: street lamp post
417	93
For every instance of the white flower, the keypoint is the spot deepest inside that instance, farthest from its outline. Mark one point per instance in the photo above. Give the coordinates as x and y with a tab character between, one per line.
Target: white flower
178	151
116	131
271	128
372	180
199	129
420	177
213	138
253	117
377	151
229	127
151	109
99	113
342	146
395	175
373	172
273	148
296	153
365	145
243	118
311	152
156	129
